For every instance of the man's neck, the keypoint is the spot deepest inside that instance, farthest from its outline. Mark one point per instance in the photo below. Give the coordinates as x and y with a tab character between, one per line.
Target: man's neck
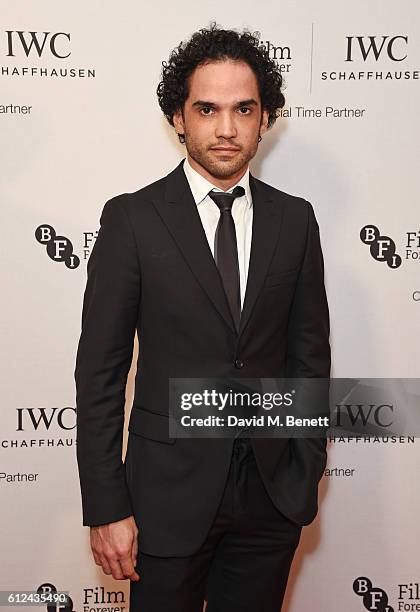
224	184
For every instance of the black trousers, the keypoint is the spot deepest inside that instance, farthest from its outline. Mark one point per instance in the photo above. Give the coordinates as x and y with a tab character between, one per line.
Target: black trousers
242	566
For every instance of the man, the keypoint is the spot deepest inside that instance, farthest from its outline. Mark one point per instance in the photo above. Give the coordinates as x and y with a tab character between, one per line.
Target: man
216	285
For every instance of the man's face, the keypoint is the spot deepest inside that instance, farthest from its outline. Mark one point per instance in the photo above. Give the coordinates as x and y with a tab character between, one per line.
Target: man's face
223	109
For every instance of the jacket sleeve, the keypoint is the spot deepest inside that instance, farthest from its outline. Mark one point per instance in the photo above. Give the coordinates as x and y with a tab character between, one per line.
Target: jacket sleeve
308	346
109	316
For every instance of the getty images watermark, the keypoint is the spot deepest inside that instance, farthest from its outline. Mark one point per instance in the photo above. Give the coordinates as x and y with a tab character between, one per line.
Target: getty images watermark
293	407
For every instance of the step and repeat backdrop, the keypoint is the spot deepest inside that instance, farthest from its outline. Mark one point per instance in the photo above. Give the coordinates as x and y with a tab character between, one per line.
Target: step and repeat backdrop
79	124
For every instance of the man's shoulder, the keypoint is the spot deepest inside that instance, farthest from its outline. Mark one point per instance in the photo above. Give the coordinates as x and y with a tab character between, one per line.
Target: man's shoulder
143	196
291	201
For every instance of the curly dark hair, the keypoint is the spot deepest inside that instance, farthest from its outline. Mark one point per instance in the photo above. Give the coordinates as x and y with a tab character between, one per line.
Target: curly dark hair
214	44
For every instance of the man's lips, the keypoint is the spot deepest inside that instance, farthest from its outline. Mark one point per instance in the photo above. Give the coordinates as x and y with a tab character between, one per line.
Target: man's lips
224	149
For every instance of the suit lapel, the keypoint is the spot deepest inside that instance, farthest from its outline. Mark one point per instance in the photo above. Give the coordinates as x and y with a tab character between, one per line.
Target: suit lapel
267	217
178	211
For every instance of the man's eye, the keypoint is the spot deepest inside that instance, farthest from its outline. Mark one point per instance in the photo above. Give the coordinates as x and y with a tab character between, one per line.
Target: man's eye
204	108
244	108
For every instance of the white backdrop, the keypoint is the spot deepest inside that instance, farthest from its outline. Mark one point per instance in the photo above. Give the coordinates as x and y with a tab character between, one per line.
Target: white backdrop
71	140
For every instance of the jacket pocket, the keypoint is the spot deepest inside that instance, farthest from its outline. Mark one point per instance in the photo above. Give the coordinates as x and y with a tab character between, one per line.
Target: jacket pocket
150	425
278	278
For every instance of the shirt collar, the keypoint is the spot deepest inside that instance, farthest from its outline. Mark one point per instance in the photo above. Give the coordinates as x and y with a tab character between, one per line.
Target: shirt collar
200	186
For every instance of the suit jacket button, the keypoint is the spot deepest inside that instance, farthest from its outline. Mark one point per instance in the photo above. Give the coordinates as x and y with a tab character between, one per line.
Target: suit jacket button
238	363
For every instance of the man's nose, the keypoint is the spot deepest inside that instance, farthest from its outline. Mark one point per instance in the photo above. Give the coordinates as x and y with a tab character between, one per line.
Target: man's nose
226	126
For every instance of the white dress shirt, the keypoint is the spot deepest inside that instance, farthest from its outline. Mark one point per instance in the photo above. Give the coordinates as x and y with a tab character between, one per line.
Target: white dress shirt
209	212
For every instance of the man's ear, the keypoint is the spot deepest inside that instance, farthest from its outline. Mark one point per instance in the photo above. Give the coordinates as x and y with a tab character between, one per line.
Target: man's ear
178	120
264	122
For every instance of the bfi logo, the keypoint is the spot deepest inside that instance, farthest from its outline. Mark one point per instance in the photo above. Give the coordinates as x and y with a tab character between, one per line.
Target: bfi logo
382	248
59	248
374	599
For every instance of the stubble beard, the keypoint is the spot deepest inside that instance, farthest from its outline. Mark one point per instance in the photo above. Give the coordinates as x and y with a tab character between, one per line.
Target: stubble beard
219	168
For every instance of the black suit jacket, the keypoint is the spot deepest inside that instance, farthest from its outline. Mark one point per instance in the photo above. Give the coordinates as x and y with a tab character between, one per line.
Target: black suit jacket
151	269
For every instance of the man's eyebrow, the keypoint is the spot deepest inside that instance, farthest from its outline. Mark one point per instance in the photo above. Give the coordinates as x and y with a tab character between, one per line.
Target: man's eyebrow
248	102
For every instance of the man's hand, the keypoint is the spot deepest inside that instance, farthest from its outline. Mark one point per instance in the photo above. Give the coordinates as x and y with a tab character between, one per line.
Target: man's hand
114	547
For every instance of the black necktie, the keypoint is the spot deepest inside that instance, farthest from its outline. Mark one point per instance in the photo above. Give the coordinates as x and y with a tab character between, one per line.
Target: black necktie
226	251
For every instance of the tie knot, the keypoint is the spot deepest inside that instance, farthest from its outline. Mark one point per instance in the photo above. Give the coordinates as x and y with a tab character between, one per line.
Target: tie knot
225	200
